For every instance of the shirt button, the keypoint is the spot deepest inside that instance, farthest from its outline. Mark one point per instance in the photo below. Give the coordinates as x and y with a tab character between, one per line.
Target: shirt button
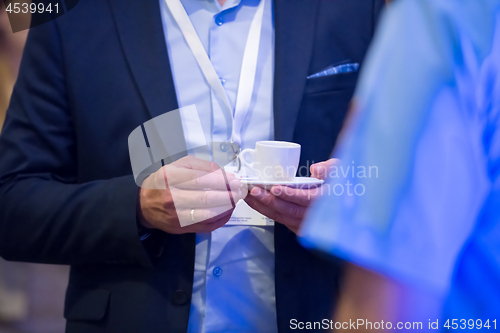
222	81
219	21
217	271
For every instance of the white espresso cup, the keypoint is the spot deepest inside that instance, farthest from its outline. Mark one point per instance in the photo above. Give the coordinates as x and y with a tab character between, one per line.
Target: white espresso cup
272	160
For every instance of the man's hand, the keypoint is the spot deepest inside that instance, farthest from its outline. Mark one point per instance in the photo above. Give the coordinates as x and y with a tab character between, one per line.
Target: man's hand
167	197
287	205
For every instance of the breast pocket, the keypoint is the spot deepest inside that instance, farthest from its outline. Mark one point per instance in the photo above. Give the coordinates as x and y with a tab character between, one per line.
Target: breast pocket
330	83
322	113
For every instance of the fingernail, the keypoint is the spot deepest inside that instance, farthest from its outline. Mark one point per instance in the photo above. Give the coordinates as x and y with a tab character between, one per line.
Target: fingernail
256	192
277	190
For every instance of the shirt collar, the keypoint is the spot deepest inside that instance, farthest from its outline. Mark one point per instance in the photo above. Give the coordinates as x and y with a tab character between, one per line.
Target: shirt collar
227	5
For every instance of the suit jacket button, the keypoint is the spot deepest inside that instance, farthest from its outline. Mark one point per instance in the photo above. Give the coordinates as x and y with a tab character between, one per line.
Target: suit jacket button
179	297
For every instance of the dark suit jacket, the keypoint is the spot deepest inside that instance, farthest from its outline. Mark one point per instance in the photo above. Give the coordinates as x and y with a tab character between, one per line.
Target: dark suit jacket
67	195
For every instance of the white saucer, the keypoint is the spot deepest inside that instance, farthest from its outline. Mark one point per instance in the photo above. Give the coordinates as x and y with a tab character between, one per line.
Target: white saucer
297	182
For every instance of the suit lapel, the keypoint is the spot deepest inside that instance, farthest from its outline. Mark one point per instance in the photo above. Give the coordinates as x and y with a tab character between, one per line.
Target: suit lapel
140	29
293	29
294	32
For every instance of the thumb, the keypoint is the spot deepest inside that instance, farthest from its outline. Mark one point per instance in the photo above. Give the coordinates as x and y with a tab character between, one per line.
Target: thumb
320	170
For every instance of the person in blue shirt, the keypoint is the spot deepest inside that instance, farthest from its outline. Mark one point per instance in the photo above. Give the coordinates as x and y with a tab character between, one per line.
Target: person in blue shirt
421	232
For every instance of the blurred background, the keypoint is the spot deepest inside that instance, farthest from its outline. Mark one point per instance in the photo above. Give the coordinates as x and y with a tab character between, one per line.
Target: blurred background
31	296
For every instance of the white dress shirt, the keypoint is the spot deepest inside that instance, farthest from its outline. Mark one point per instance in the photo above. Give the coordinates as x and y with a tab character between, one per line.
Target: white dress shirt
233	288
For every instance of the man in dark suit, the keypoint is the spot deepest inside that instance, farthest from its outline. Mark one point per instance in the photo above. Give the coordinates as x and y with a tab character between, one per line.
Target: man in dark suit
92	76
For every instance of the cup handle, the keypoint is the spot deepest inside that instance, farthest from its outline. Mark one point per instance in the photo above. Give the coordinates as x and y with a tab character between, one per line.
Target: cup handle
243	160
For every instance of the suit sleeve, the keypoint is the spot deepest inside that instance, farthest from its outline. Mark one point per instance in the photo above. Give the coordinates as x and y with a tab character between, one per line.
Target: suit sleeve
45	215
